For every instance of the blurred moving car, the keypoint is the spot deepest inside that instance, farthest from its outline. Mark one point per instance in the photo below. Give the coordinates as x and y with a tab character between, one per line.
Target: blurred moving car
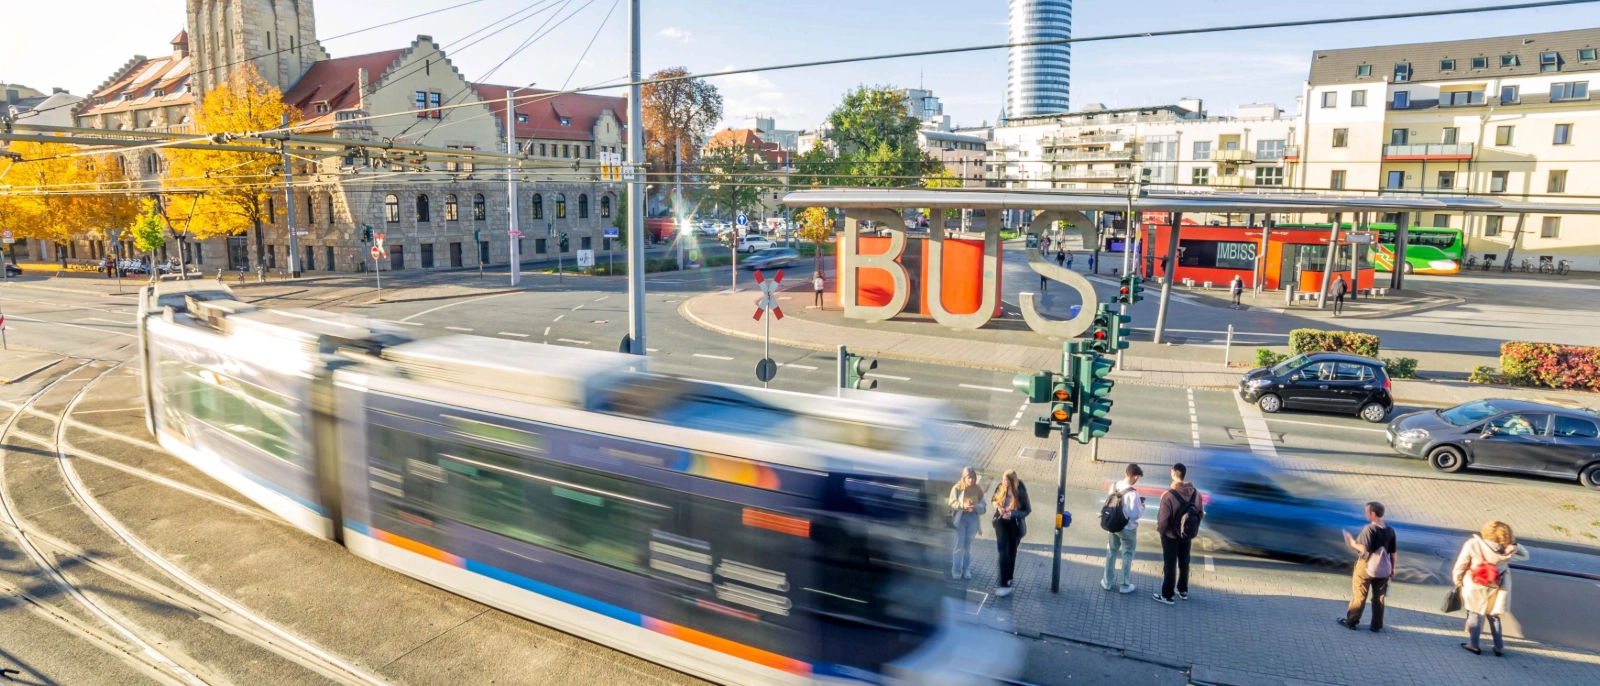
771	258
1504	435
753	243
1324	382
13	270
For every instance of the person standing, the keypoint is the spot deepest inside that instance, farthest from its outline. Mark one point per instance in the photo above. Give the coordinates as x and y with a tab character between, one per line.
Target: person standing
1044	244
1061	256
1375	549
817	284
966	506
1122	543
1069	259
1177	522
1091	262
1011	510
1236	289
1482	572
1338	295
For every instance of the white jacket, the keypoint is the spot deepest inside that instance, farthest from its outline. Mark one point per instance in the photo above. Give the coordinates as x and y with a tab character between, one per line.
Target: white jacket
1132	503
1486	600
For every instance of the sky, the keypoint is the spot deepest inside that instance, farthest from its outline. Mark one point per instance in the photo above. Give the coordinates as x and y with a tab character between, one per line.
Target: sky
76	45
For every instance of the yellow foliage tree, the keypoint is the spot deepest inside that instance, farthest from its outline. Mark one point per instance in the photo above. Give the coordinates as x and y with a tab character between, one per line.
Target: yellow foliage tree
235	185
816	226
54	196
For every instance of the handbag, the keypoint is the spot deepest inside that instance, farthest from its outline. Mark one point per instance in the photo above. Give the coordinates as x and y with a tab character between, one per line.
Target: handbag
1452	601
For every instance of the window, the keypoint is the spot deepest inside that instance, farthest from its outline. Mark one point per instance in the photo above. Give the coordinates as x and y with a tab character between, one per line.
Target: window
1551	228
1440	221
1269	176
566	121
1491	225
1402	72
566	150
1341	138
1458	98
538	206
1447	65
450	210
330	208
1510	94
311	208
1202	150
480	211
539	246
248	413
1218	254
1397	179
1402	99
433	102
1447	180
422	208
561	206
1450	136
391	209
542	151
1330	98
1549	61
1586	54
1520	424
1497	181
1352	371
272	206
1358	98
1399	136
427	255
1480	63
1364	70
605	207
1509	61
1557	182
583	206
1269	150
422	104
1563	135
1200	176
1336	180
1570	90
1504	135
1573	427
522	118
586	243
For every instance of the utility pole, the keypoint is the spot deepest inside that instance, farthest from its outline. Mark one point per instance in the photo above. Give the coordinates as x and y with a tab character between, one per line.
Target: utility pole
1129	226
1329	267
636	198
1166	274
288	200
677	199
512	234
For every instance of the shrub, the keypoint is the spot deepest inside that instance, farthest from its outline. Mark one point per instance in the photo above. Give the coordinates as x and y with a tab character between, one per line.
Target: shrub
1401	367
1485	374
1551	365
1319	341
1267	358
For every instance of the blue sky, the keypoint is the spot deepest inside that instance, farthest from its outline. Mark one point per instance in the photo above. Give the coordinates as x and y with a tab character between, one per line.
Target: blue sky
77	44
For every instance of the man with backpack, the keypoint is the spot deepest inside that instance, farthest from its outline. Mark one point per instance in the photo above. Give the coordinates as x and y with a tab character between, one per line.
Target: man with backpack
1120	518
1375	547
1178	523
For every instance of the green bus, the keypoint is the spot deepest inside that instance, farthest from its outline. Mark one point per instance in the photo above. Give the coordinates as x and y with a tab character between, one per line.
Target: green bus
1428	250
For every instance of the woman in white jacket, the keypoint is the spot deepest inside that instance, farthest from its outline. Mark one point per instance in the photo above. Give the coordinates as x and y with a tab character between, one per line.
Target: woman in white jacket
1482	572
966	506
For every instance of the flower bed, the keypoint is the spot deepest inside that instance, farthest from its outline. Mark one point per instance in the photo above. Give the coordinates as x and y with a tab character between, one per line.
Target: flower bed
1551	365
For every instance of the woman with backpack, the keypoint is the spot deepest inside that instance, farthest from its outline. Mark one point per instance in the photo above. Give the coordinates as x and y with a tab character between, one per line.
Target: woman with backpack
1482	575
966	506
1011	510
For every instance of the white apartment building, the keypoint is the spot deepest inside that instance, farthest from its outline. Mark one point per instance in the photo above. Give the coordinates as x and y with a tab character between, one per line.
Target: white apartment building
1508	116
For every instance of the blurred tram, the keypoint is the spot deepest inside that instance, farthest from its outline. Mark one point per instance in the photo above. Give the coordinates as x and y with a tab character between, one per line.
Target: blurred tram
742	535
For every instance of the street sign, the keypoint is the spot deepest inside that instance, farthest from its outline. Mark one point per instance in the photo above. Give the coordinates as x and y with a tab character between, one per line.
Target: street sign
586	258
301	232
1352	238
514	233
627	171
3	317
766	370
6	236
611	232
743	220
377	252
380	237
769	295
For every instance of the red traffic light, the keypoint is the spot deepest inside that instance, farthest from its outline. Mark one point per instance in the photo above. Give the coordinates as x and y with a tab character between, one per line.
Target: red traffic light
1124	290
1099	335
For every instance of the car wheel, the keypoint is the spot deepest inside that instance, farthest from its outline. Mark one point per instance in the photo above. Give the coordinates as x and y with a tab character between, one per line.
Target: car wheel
1590	476
1270	403
1446	459
1374	412
1406	268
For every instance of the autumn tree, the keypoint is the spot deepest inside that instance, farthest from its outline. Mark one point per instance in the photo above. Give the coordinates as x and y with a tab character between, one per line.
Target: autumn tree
683	111
236	184
816	225
943	178
57	193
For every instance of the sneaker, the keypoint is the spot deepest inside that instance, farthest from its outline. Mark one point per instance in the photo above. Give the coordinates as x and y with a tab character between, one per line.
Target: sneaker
1470	649
1165	601
1346	624
1127	588
1183	595
1003	591
967	575
955	574
1105	585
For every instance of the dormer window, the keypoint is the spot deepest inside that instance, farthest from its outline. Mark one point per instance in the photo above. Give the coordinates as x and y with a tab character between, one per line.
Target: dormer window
566	121
99	101
522	119
320	107
158	92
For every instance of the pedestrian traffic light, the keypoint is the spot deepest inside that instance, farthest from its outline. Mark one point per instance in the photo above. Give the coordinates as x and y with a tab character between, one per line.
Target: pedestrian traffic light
855	372
1035	386
1089	372
366	233
1131	289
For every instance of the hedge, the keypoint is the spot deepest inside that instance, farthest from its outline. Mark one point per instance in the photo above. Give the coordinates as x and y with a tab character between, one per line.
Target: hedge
1551	365
1319	341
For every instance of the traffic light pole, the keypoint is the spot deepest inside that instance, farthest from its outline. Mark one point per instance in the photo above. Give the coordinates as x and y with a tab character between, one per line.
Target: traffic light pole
841	365
1166	274
636	192
1061	506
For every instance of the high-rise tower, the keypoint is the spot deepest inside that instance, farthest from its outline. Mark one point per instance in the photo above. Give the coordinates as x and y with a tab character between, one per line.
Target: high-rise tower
1037	77
278	36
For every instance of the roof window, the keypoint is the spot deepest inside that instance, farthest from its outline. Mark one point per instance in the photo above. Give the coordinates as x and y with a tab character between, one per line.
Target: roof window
522	119
1402	72
1586	54
566	121
1447	65
1480	63
1509	61
1549	61
1364	70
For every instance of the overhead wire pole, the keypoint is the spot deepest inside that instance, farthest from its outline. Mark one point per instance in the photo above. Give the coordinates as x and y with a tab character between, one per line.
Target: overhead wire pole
1129	225
288	201
1166	274
636	197
512	234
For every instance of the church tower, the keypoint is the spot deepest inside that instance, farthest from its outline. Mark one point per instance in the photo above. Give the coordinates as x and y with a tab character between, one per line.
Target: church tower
278	36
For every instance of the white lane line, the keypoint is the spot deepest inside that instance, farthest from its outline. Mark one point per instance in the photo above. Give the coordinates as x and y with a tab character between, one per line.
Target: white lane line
1211	565
575	309
1194	420
559	316
513	335
464	302
1018	418
712	357
887	376
996	389
652	350
1330	426
124	322
569	340
74	326
457	328
603	297
394	321
1255	428
547	331
798	366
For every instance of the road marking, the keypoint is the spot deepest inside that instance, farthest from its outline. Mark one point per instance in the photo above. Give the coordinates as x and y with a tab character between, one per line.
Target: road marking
712	357
74	326
119	409
652	350
996	389
514	335
887	376
124	322
547	331
464	302
575	309
797	366
1018	418
1194	420
559	316
1255	427
1211	565
1330	426
603	297
395	321
569	340
457	328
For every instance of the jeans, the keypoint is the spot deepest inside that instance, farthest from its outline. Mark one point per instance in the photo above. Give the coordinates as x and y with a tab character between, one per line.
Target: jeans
1174	566
966	530
1120	545
1007	535
1338	303
819	298
1236	299
1363	587
1475	628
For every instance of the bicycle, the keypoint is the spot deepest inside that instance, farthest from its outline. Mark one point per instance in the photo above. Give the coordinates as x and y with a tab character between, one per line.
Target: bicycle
1564	267
1527	265
1546	268
1472	261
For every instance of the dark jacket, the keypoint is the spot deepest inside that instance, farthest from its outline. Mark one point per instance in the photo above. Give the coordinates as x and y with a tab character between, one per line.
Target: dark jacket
1172	501
1024	506
1339	289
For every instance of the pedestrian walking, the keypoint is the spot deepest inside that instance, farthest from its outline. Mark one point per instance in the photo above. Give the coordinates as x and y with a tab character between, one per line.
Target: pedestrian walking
1061	257
1237	289
1120	518
1044	244
966	506
1338	295
1483	576
1177	522
1069	259
1375	560
1043	282
1011	510
1091	262
817	284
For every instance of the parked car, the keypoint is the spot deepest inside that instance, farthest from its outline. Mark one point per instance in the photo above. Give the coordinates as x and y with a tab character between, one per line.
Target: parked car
753	243
771	258
13	270
1504	435
1324	382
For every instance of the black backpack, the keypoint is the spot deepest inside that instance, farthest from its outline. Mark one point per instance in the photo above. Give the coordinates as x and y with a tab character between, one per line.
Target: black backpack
1112	518
1189	518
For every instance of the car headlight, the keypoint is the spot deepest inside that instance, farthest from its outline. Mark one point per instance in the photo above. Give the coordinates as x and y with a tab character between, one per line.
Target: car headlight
1413	434
1260	382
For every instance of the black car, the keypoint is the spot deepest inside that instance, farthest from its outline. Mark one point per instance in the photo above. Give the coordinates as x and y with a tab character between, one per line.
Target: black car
1504	435
13	270
771	258
1325	382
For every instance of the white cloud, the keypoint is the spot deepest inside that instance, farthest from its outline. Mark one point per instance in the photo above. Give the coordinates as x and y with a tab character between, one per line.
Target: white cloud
676	33
747	94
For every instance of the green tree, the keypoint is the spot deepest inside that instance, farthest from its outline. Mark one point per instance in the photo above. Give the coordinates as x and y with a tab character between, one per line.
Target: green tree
734	177
148	230
944	178
620	218
875	141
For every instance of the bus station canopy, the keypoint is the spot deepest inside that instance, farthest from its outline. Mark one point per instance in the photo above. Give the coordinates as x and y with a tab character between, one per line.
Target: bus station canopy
1215	203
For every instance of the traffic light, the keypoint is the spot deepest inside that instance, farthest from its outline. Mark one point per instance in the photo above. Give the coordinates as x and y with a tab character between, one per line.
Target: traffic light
1061	405
855	372
1089	371
366	233
1116	329
1035	386
1144	182
1100	331
1131	290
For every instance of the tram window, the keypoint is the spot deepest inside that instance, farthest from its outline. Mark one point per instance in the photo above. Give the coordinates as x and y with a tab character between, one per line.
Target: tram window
252	414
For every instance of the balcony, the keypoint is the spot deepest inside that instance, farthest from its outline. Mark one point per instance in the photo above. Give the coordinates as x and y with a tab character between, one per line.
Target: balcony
1093	156
1291	152
1233	181
1232	155
1427	152
1089	175
1103	139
